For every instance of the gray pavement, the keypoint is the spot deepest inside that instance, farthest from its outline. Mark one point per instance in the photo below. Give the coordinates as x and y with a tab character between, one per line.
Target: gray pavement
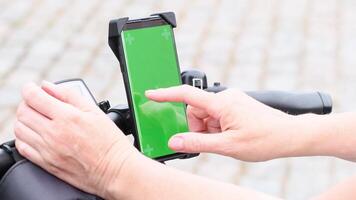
249	44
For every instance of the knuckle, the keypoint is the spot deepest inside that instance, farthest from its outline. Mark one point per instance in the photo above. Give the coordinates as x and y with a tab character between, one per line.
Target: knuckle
49	138
190	114
230	92
65	93
190	111
20	110
233	91
17	128
54	134
75	116
20	147
60	160
58	134
21	150
185	91
234	96
51	158
53	169
29	92
186	87
57	159
195	145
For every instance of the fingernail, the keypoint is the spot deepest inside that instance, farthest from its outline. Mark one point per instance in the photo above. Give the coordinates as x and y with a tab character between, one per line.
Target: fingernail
149	92
46	83
176	143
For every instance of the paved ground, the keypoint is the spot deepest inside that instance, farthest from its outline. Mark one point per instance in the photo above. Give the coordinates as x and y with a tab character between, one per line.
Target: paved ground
250	44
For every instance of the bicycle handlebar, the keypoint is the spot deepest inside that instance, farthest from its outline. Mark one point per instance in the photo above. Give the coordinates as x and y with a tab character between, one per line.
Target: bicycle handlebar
6	161
289	102
295	103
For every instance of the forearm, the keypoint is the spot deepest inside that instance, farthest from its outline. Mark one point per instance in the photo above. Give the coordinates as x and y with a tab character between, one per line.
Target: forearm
157	181
344	190
331	135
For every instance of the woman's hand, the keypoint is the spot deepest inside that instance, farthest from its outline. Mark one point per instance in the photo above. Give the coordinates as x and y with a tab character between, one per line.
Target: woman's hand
71	138
229	123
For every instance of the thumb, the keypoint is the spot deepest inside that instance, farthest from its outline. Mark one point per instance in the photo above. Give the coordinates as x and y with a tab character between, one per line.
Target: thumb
199	142
65	94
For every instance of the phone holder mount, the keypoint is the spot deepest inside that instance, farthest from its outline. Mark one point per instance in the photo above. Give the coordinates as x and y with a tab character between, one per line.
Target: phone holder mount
121	114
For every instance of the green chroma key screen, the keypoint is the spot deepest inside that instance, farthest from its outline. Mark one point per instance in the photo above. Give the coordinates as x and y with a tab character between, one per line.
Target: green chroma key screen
151	62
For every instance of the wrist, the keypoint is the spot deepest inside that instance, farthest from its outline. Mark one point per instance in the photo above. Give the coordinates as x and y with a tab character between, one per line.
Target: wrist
122	162
301	135
335	136
317	135
130	178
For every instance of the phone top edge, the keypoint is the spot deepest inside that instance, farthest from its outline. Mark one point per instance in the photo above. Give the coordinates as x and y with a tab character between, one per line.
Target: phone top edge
145	19
169	17
144	23
117	26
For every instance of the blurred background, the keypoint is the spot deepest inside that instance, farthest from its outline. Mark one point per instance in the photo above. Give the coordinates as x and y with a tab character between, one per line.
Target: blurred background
297	45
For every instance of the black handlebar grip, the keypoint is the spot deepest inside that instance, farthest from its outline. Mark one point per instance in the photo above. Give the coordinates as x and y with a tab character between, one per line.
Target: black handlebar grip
295	103
6	161
121	116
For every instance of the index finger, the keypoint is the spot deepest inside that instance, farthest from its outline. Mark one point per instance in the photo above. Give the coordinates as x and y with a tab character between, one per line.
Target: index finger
41	101
190	95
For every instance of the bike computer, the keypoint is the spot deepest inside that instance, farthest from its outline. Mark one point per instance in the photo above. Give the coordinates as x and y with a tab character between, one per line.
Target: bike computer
78	85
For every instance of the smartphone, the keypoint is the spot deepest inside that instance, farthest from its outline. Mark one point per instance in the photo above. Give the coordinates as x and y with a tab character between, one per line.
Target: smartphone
148	60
